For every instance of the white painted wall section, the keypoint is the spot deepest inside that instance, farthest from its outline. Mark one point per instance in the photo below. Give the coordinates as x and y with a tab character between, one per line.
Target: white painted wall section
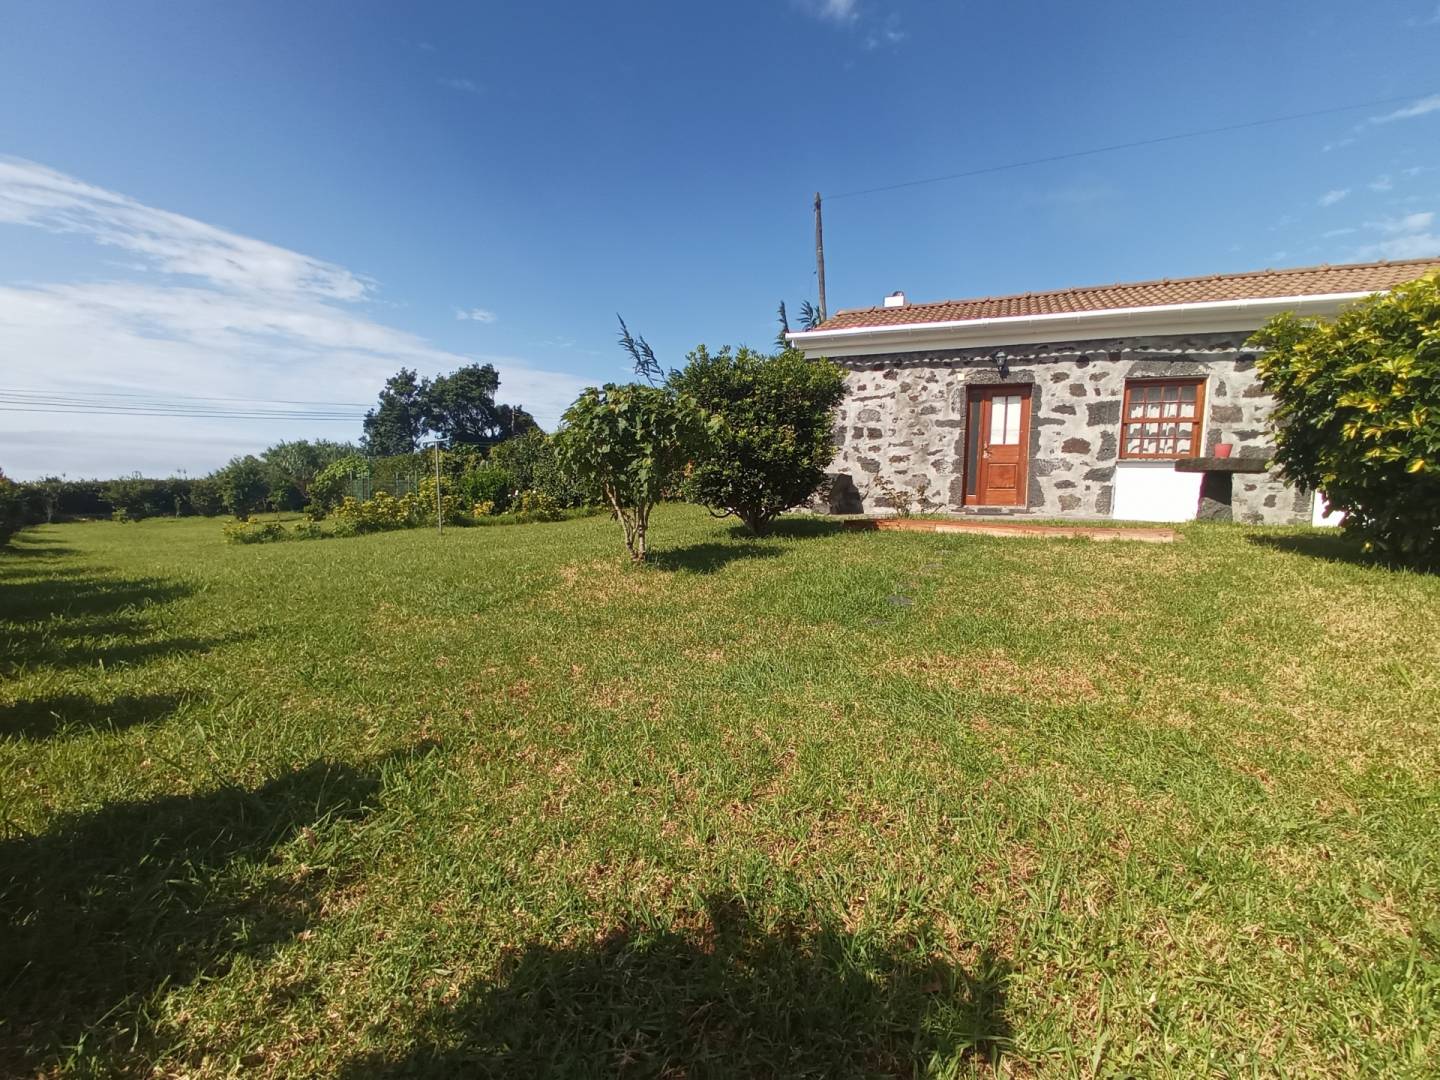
1322	514
1154	491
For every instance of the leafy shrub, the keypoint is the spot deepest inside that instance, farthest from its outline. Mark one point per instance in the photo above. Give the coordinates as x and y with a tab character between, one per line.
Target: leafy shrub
482	509
253	532
13	514
379	513
627	445
774	439
488	483
332	483
536	506
305	530
533	465
1358	414
454	508
243	485
205	497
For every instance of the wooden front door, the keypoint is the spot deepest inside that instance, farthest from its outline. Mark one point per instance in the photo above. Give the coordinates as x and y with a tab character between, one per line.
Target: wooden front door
1001	444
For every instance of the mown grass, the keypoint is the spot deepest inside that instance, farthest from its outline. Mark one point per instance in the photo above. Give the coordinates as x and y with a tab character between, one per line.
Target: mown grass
821	804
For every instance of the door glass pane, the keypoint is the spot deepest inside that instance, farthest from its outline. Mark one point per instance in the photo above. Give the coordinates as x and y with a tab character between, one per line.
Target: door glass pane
1005	420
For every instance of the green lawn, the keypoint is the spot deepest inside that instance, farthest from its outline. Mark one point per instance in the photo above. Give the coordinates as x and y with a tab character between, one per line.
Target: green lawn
825	804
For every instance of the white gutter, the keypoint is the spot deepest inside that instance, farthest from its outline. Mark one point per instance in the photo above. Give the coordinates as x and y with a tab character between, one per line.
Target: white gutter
1027	329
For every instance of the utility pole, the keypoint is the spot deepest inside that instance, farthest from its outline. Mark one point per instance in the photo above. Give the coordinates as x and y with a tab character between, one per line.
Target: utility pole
820	255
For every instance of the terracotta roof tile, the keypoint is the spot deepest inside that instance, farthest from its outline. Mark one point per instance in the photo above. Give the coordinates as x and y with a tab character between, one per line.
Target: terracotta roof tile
1254	285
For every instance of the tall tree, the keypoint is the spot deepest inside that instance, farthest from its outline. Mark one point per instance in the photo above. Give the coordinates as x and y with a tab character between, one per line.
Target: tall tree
395	425
460	407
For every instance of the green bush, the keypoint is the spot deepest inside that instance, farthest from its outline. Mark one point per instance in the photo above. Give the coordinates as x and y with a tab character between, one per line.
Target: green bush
13	510
253	532
488	483
1357	414
536	506
244	485
774	439
533	465
454	508
379	513
628	445
332	483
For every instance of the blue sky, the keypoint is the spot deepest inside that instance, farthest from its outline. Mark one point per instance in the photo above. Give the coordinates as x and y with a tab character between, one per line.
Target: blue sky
285	201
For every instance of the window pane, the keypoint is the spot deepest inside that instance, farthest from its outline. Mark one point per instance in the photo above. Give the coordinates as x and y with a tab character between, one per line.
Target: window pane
1187	393
1012	419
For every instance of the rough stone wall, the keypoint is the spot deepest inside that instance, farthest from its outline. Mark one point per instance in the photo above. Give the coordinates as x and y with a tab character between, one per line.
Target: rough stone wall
903	421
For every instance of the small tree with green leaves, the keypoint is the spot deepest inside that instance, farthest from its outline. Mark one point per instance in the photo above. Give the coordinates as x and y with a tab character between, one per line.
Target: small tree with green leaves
630	445
243	485
774	440
1358	414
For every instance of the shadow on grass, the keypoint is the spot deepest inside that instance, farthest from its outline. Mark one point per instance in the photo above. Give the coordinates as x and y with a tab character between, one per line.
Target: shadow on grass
56	595
796	528
62	615
44	718
729	999
709	558
18	548
105	911
1330	548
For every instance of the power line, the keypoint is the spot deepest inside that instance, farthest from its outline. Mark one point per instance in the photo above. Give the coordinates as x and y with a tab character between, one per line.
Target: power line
1071	155
81	411
129	403
177	397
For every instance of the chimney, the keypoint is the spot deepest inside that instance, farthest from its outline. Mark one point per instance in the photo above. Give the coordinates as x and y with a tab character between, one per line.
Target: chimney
895	299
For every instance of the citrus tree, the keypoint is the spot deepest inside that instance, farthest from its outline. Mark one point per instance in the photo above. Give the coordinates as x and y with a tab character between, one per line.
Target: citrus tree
630	445
1358	414
773	442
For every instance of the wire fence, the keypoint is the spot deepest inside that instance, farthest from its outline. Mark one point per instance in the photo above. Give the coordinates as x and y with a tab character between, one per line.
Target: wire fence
364	487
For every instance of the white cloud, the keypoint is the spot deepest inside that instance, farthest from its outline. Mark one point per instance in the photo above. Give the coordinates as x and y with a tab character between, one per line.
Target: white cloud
1421	107
1381	183
225	316
1408	224
1339	143
465	86
1333	233
31	194
840	11
478	314
1415	246
1405	237
1330	198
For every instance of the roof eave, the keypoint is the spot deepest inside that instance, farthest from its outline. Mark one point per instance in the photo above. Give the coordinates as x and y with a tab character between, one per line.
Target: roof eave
1196	317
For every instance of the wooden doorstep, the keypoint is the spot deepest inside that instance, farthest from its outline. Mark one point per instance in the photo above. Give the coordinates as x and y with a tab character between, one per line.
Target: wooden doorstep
1102	533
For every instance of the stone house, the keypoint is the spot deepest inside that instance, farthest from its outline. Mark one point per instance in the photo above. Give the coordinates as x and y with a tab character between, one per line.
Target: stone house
1088	402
